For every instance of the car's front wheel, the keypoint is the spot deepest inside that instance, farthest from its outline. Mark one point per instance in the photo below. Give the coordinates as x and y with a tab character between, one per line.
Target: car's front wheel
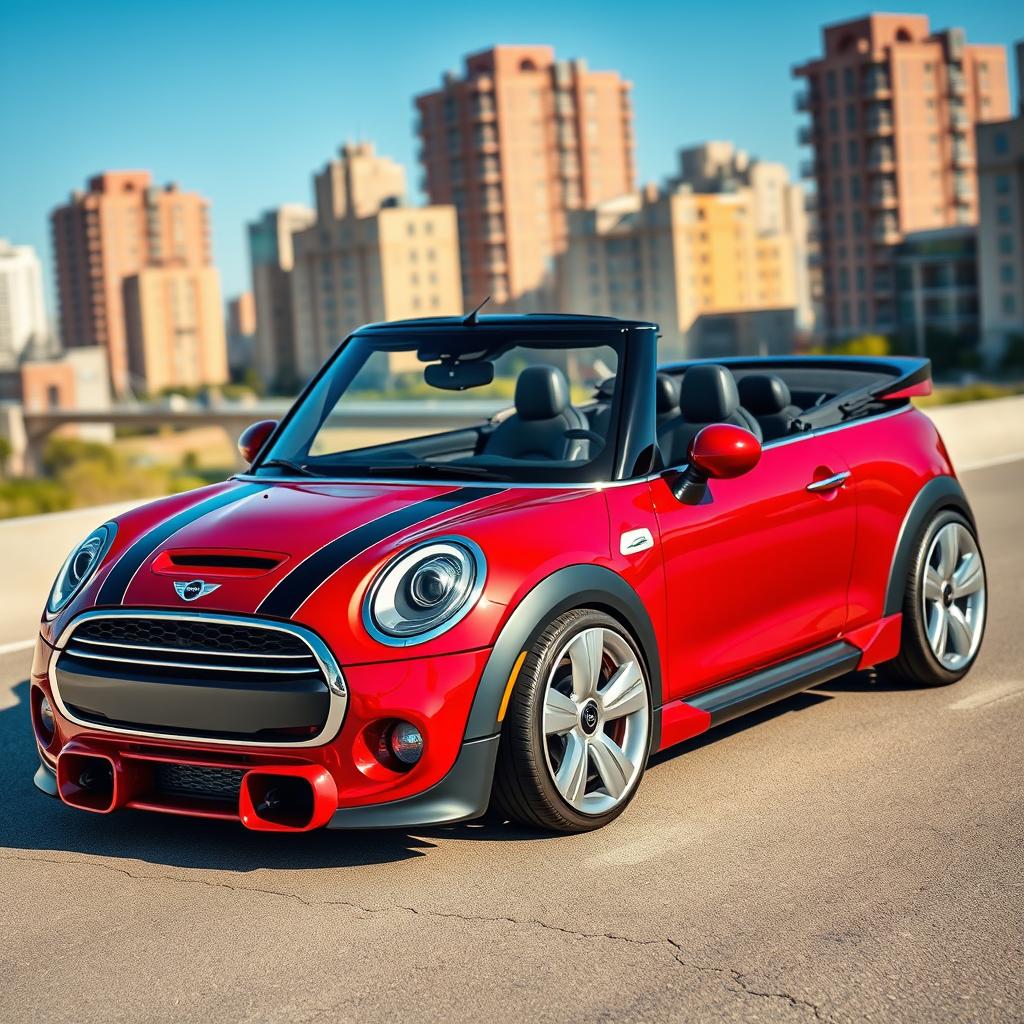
944	605
576	734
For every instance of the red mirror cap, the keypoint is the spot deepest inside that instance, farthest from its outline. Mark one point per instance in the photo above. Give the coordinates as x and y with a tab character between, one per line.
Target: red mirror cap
722	451
253	439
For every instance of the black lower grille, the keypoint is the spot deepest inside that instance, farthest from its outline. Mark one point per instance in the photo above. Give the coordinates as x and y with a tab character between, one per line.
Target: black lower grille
198	781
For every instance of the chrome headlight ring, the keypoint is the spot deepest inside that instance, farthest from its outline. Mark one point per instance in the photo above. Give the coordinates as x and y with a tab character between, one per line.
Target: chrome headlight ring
424	590
79	566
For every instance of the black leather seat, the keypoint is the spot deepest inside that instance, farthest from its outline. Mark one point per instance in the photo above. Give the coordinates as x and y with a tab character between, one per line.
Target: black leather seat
536	430
708	395
666	403
766	397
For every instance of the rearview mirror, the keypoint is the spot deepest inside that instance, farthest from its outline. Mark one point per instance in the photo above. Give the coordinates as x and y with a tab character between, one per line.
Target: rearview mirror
253	438
719	451
458	376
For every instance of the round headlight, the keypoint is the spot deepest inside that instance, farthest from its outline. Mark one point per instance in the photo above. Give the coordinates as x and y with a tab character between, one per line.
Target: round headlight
424	591
79	566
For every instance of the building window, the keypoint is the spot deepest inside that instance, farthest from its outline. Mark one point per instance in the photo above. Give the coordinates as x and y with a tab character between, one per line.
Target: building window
830	85
1005	245
833	119
853	152
1009	305
837	155
1002	184
851	117
849	82
1001	143
1006	273
1004	215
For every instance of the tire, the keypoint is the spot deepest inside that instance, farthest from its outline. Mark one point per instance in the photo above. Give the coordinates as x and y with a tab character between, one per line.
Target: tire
944	605
577	732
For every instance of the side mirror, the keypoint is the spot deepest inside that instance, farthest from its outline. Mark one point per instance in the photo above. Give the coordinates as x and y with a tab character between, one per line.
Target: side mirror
719	451
254	438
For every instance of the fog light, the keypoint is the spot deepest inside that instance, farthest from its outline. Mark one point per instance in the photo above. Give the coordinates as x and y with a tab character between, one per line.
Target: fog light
405	742
47	723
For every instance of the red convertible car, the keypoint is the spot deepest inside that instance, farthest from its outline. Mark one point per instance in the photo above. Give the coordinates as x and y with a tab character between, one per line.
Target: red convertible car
500	561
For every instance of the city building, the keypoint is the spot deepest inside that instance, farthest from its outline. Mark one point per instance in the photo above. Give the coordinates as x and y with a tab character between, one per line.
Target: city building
271	257
514	144
174	322
368	257
779	206
121	225
696	262
1001	229
893	108
22	313
937	294
241	333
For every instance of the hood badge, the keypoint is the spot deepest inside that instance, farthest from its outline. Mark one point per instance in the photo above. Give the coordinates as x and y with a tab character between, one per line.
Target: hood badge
194	589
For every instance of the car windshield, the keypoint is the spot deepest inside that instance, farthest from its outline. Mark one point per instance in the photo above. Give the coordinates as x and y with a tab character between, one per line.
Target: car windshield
465	402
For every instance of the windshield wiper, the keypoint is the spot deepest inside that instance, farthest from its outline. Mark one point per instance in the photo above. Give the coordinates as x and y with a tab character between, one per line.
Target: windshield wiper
299	468
431	469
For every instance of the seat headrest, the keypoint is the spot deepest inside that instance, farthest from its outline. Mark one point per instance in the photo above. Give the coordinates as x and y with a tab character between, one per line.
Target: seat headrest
708	394
666	394
764	393
541	392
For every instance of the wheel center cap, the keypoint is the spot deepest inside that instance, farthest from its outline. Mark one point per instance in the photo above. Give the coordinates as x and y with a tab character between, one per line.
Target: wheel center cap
947	594
589	717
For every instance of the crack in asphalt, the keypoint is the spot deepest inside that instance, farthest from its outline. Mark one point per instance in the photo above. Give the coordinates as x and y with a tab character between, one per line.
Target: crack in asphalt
676	949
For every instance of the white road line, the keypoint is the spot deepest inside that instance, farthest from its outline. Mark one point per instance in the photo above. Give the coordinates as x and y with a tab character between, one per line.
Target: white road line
14	648
989	695
996	460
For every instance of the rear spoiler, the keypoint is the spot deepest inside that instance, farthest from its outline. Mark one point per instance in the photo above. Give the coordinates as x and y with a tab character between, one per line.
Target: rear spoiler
906	378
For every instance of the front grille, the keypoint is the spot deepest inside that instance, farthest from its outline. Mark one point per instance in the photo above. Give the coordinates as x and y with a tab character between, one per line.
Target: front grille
200	676
198	781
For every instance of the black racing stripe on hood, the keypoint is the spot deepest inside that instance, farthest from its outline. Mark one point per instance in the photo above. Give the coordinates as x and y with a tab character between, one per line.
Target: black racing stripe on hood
116	584
292	591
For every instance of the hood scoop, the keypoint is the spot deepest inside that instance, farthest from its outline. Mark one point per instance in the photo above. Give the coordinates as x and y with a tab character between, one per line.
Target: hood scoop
232	562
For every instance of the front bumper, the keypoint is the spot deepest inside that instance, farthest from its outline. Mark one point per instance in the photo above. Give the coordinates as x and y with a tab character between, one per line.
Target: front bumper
338	782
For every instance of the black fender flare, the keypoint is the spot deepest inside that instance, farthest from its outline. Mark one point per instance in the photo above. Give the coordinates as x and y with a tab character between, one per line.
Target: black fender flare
574	586
939	493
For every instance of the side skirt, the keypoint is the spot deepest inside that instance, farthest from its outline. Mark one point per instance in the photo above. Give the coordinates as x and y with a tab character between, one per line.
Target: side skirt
730	700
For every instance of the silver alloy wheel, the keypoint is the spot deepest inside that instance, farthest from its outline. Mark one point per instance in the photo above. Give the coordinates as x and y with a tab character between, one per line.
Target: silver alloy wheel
596	720
953	596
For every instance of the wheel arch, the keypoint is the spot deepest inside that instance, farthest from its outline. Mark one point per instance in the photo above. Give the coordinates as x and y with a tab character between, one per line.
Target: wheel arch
939	494
573	586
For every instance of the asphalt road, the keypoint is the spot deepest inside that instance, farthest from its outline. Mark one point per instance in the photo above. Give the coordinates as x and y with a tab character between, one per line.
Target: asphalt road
850	854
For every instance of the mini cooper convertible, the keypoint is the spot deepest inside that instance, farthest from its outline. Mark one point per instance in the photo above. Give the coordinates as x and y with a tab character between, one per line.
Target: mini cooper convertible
499	561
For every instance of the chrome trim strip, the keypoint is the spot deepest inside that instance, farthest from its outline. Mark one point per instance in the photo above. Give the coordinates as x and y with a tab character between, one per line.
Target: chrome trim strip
187	664
189	650
325	659
830	483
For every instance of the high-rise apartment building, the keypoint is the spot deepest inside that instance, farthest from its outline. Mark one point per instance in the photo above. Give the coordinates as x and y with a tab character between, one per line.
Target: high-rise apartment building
22	314
514	144
120	226
175	328
241	333
1001	228
271	255
697	263
893	108
779	208
368	257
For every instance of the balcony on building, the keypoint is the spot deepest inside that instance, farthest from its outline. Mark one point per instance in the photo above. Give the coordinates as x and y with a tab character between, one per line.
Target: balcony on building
883	193
805	100
958	118
876	83
957	83
808	169
962	156
879	120
805	135
881	158
885	229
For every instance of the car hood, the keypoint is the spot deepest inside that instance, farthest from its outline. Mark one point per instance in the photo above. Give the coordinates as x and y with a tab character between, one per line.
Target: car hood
306	551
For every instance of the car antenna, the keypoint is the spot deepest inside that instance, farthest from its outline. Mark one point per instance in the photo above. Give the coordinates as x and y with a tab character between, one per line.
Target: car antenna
470	318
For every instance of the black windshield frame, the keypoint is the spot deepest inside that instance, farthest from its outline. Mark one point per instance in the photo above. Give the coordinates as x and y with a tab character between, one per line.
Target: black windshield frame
634	347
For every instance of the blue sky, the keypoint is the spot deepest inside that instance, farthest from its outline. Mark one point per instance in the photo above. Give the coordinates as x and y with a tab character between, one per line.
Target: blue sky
243	101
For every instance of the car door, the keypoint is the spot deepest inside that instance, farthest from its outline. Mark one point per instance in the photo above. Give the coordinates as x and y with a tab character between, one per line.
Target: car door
759	570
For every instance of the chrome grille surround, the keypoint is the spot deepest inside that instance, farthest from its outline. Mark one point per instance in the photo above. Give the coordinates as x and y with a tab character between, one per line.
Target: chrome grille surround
325	662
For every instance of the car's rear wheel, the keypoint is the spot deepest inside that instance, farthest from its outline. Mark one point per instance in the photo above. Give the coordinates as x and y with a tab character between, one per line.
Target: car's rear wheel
577	731
944	605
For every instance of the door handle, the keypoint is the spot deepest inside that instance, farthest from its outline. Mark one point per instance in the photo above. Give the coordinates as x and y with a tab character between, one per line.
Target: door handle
829	483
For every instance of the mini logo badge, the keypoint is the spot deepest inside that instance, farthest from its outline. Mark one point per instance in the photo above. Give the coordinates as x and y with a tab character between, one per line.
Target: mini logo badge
194	589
